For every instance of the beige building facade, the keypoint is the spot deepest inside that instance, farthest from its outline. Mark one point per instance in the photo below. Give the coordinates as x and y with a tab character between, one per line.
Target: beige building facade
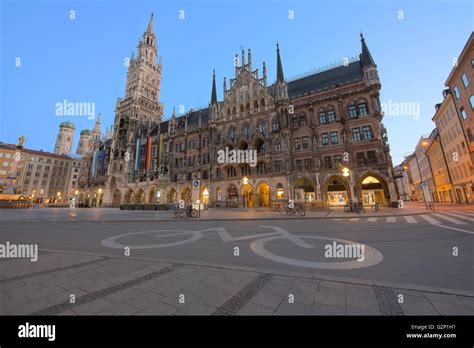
456	150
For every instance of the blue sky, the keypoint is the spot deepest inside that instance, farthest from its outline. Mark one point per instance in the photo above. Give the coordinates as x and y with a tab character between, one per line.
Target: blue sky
82	60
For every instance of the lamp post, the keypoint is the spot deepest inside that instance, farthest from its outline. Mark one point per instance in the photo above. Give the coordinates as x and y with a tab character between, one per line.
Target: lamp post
346	172
245	182
199	207
205	198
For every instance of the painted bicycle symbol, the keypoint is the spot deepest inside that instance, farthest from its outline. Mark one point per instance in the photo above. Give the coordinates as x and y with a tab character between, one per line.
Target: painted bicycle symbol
372	256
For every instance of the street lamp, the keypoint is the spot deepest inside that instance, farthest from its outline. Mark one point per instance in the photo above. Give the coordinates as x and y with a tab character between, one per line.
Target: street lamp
199	207
245	182
205	197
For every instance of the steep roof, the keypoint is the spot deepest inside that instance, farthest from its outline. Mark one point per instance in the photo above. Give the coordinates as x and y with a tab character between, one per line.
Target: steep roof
339	75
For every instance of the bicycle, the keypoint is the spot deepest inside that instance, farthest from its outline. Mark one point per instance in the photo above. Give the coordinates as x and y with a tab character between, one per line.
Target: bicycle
354	207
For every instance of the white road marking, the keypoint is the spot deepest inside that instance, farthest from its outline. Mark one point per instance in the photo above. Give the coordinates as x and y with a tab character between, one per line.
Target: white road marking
391	219
465	213
410	219
372	219
371	256
454	221
430	220
459	216
354	219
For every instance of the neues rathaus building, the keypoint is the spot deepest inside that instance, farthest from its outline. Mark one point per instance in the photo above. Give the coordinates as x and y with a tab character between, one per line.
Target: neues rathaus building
319	138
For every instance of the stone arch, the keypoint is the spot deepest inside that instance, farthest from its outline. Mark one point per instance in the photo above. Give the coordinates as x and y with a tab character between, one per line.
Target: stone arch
336	190
140	196
304	190
152	195
116	199
171	196
219	195
263	195
185	194
369	192
247	195
243	145
129	196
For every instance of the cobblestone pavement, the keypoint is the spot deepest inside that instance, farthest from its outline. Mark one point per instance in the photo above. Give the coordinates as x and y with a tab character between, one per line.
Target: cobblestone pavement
67	283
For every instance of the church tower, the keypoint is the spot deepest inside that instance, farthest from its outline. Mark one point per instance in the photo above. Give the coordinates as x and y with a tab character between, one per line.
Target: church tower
65	137
139	109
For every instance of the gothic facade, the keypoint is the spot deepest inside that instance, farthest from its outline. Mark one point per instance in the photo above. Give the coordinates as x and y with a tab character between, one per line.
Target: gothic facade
319	139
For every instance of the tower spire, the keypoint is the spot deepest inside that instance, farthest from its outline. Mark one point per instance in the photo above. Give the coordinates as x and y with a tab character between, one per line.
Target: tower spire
150	24
365	57
280	77
214	93
97	123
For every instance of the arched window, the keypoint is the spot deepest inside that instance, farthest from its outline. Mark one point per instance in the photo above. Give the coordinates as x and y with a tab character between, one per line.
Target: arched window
331	115
278	146
255	104
362	108
322	116
246	130
352	110
303	121
276	124
231	134
262	102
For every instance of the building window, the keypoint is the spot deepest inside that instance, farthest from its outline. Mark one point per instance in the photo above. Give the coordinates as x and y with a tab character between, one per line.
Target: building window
367	132
360	158
471	101
371	157
327	162
297	144
277	146
463	113
352	111
325	139
299	165
337	160
322	117
465	81
278	166
334	138
276	126
307	164
356	134
303	121
305	142
362	109
456	92
331	116
295	123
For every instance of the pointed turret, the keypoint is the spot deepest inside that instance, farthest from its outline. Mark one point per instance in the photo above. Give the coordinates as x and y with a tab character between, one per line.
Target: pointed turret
214	93
97	124
280	76
150	25
365	57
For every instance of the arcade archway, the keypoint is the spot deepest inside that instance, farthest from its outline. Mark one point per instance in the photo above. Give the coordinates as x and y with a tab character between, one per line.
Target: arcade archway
117	198
337	192
263	195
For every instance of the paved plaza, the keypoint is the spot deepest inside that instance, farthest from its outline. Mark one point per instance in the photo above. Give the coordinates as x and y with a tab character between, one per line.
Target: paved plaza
107	261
